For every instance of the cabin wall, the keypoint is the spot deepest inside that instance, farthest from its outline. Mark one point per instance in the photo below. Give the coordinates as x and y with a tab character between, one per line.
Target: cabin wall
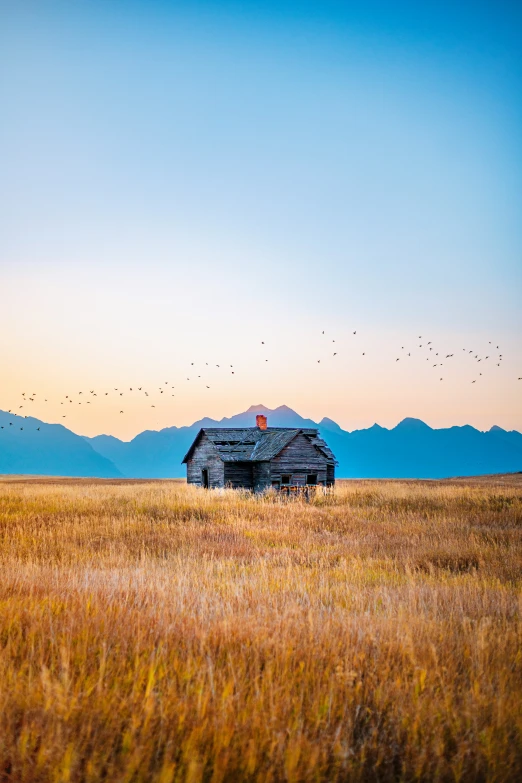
330	475
206	456
262	476
299	459
239	475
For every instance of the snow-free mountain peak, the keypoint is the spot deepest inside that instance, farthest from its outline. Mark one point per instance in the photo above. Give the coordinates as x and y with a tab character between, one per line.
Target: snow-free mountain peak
412	449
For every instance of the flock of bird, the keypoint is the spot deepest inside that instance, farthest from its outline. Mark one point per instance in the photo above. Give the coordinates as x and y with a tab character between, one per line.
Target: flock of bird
436	357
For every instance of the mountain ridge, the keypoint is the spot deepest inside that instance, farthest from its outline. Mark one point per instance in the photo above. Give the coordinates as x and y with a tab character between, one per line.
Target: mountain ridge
411	449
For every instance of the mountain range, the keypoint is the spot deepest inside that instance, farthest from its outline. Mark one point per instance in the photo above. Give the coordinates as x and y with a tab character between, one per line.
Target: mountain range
412	449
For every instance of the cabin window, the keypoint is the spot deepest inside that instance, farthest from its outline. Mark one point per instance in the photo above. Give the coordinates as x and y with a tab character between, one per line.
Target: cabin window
286	479
275	484
204	478
311	478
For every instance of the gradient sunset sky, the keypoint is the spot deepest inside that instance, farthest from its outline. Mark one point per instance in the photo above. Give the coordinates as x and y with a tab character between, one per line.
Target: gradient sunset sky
180	182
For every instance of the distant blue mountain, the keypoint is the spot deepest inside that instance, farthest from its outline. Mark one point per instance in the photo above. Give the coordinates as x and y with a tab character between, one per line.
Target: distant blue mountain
51	450
412	449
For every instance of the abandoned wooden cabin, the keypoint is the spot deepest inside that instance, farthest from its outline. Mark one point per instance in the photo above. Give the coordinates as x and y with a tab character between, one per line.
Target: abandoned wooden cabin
259	457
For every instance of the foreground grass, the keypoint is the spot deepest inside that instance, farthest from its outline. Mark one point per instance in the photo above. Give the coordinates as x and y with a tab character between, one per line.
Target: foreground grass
155	632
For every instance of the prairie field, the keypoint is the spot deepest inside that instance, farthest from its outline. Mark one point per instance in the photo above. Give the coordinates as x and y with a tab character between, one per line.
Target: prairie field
152	631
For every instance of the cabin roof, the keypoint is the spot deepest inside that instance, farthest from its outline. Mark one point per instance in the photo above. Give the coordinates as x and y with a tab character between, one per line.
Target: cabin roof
252	444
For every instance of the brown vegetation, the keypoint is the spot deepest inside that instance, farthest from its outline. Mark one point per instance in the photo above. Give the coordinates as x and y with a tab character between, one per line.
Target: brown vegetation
157	632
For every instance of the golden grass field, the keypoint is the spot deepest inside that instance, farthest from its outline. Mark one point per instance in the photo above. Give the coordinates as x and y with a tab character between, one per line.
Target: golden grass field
151	631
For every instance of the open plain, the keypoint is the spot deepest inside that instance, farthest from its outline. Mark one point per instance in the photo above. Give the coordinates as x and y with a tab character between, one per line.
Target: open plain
151	631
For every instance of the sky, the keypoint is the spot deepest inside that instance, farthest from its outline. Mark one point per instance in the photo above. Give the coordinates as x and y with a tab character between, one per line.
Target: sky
186	185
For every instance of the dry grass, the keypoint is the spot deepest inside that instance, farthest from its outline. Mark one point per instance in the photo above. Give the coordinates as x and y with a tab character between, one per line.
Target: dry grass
154	632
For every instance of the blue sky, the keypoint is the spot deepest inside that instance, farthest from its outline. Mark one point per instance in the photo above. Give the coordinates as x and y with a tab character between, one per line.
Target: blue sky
183	180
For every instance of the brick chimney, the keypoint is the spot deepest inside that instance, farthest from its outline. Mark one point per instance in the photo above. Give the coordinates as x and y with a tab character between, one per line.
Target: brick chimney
261	421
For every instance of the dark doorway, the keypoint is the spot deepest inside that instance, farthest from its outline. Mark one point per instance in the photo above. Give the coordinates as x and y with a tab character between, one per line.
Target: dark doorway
311	479
204	478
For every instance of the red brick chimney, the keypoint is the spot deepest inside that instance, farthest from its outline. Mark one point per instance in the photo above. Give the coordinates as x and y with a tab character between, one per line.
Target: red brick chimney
261	421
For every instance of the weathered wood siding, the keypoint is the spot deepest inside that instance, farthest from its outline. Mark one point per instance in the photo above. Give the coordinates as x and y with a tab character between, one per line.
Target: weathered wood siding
206	456
239	475
299	459
262	476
